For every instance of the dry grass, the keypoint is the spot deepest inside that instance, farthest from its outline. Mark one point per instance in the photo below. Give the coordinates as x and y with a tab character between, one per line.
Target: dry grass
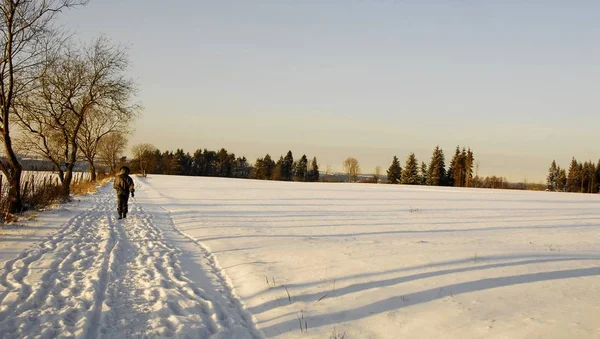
87	187
48	193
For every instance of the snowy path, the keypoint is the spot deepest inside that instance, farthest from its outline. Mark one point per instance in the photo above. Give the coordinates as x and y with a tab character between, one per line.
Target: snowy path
99	277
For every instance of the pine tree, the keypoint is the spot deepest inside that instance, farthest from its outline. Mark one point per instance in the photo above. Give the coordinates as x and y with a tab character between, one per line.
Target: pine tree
278	170
462	171
454	170
313	173
410	173
574	177
436	173
287	167
423	173
588	174
241	168
264	168
552	177
259	169
581	177
561	179
300	169
224	163
210	163
469	161
394	172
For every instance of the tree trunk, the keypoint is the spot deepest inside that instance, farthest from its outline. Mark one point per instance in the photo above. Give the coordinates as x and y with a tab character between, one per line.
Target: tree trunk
15	204
12	170
66	183
92	171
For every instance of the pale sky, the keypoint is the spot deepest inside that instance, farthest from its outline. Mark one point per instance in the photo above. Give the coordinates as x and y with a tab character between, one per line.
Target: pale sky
517	81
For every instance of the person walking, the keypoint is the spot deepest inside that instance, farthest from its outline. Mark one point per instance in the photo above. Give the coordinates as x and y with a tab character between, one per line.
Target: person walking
123	185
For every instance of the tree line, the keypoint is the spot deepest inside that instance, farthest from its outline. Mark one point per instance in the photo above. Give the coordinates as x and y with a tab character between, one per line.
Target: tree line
222	163
58	99
458	174
581	177
150	160
286	169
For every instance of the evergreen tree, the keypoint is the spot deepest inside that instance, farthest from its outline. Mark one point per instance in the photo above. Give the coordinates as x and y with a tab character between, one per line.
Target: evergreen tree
590	177
313	173
552	177
410	173
301	168
454	170
394	172
423	173
581	178
287	166
462	173
469	161
561	179
436	173
224	163
264	168
269	165
259	170
278	170
169	164
241	168
210	163
197	160
574	177
184	162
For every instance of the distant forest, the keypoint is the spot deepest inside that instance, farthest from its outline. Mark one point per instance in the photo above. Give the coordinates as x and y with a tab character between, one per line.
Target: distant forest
222	163
582	177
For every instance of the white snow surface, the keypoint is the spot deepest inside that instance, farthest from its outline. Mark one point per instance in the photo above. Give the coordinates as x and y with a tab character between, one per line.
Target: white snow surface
227	258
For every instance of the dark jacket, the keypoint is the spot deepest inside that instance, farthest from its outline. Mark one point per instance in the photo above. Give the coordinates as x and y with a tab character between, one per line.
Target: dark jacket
123	184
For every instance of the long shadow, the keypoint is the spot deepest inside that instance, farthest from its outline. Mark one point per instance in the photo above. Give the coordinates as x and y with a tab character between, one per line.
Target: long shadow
311	201
394	281
317	212
521	256
342	223
431	295
433	231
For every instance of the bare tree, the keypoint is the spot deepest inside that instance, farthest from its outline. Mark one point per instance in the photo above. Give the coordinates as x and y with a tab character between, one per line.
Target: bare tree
25	24
110	150
74	83
143	153
96	126
351	167
377	174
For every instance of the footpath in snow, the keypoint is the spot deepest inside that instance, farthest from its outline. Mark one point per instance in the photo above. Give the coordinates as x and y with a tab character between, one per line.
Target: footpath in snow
93	276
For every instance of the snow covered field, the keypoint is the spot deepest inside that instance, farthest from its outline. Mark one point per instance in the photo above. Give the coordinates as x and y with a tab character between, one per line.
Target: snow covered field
226	258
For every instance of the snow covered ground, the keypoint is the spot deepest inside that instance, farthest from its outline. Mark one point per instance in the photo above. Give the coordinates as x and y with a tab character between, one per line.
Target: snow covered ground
226	258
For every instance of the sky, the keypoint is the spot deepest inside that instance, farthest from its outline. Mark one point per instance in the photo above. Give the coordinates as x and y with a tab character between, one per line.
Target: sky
516	81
